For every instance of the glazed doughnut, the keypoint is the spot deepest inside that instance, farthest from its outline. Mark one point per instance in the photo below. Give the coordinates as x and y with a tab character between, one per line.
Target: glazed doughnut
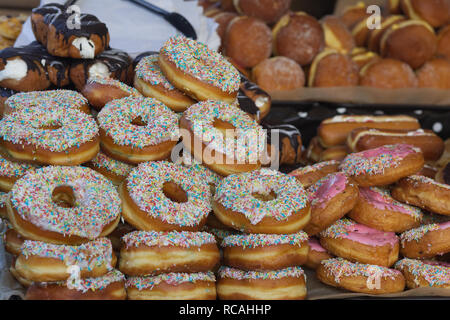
150	81
248	41
63	205
331	198
56	136
431	145
11	171
426	241
443	44
173	286
298	36
111	63
30	68
278	74
288	139
45	262
337	35
434	74
423	192
424	273
264	252
152	252
309	175
314	150
358	277
116	171
375	35
209	128
383	165
110	286
198	71
269	11
100	91
316	254
13	241
377	209
354	14
443	175
388	74
359	243
284	284
336	153
397	41
50	26
137	129
253	100
163	196
262	201
49	100
3	199
435	12
333	69
334	131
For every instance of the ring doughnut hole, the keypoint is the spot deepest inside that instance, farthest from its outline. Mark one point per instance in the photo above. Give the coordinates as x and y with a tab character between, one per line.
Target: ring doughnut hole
174	192
64	196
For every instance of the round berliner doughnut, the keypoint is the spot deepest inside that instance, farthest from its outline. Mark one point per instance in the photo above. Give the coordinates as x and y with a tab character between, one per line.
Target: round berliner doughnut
298	36
333	69
63	205
426	241
334	131
223	137
354	14
30	68
10	171
51	25
49	100
13	241
100	91
152	252
263	252
284	284
397	41
309	175
431	145
110	286
443	175
151	82
198	71
163	196
45	262
253	100
316	253
434	73
443	43
388	74
248	41
269	11
358	277
116	171
137	129
278	74
383	165
375	35
337	35
223	19
3	199
435	12
359	243
111	63
377	209
423	192
424	273
331	198
262	201
56	136
173	286
337	153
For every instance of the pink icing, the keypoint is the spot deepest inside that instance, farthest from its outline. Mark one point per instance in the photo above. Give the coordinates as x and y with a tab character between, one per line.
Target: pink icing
444	225
365	235
437	263
382	201
314	244
400	150
327	188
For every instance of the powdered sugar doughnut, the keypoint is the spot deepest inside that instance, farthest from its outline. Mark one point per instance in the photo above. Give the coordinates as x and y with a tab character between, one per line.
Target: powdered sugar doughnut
383	165
10	171
114	170
424	273
164	196
63	205
359	243
262	201
135	129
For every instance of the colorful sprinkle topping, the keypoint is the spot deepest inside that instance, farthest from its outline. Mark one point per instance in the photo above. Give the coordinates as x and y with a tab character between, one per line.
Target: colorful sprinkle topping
174	279
183	239
418	233
435	274
145	184
96	205
262	240
119	168
115	83
148	70
313	168
100	283
13	169
220	234
368	119
426	180
196	167
236	191
233	273
197	60
161	123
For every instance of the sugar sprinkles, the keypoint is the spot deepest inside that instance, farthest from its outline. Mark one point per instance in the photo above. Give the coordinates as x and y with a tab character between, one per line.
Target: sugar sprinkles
184	239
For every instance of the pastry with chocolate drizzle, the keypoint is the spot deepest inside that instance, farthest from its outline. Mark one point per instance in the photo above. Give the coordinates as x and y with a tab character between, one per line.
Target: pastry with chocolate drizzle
253	100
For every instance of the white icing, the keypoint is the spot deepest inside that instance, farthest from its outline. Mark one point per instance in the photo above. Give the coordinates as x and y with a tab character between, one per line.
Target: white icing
99	70
85	46
14	69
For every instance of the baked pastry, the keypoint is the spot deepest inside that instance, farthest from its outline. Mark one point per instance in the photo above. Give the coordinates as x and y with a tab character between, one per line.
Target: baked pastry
426	273
435	12
354	14
278	74
434	73
337	35
388	74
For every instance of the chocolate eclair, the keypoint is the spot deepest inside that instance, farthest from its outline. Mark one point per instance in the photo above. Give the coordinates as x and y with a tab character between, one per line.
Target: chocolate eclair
253	100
